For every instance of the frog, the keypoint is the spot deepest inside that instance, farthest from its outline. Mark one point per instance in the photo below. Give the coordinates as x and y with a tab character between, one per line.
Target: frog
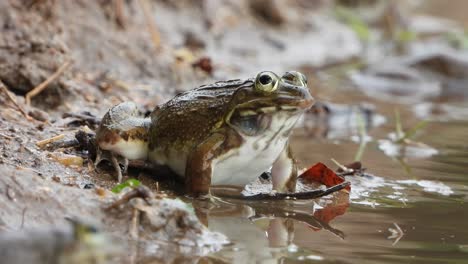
225	133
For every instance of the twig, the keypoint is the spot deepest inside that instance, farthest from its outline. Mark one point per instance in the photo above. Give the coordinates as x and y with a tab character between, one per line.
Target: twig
5	136
341	166
153	30
44	142
133	229
119	13
299	195
63	144
10	97
138	192
45	83
134	234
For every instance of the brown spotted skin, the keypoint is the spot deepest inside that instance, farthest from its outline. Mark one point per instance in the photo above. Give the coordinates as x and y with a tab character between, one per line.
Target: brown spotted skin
190	117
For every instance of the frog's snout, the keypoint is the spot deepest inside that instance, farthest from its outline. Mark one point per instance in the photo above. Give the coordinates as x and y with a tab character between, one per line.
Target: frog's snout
308	100
297	96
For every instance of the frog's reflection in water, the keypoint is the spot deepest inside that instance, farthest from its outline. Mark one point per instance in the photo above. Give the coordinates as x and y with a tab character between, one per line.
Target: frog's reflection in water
253	226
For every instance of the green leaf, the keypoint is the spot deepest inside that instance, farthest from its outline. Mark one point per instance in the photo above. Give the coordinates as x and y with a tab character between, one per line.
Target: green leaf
128	183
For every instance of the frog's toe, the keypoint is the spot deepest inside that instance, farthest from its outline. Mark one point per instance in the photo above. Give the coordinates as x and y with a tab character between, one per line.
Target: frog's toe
116	165
99	157
119	163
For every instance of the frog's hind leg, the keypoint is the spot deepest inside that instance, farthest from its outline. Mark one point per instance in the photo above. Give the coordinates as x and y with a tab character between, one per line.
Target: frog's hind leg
284	172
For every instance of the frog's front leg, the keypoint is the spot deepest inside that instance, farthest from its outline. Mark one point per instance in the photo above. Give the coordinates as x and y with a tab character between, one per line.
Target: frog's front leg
116	165
115	159
284	172
199	170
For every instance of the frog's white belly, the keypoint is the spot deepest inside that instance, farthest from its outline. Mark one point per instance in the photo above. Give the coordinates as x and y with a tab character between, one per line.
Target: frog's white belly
256	154
243	165
132	150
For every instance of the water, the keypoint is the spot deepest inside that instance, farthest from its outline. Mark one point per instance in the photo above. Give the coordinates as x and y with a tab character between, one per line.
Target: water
424	196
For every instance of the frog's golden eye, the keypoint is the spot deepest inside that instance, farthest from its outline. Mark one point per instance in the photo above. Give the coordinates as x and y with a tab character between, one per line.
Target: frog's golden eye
295	78
266	82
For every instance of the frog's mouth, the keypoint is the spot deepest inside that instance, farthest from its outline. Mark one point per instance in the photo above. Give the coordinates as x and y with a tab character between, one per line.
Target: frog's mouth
294	104
285	104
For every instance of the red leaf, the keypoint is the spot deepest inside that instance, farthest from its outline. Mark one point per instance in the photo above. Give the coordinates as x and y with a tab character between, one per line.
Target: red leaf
322	174
331	211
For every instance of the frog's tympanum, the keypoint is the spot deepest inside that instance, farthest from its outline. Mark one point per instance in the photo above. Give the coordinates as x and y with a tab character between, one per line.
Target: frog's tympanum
226	133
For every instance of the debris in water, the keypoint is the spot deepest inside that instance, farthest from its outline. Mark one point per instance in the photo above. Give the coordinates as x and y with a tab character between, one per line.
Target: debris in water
396	233
400	143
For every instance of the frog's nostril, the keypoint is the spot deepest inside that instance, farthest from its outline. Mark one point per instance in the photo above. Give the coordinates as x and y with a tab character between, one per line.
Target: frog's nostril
265	79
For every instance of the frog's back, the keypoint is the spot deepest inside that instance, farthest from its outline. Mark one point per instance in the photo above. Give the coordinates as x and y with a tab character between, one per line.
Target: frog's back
187	119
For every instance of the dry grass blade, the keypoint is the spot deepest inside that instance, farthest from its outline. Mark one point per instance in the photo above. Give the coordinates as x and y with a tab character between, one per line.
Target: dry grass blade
420	125
153	30
38	89
341	166
362	135
44	142
10	97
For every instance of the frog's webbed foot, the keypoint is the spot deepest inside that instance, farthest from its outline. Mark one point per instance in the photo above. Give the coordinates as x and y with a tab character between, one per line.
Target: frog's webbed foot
116	161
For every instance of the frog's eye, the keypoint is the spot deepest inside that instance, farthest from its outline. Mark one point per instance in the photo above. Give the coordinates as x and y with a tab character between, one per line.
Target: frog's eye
266	82
295	78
